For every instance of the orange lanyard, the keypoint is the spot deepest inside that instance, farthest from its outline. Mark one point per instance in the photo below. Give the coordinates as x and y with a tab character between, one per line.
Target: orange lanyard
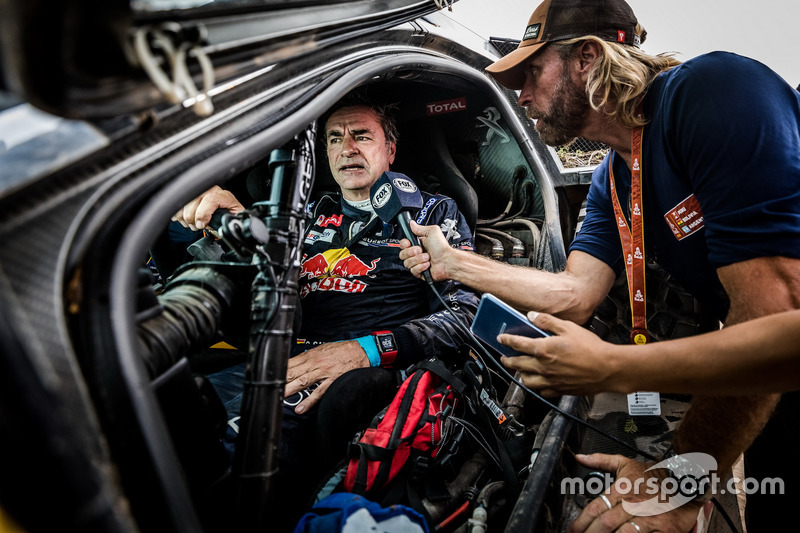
632	239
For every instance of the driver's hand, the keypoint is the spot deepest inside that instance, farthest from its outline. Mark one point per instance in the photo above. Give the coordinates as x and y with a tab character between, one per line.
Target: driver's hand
197	214
322	365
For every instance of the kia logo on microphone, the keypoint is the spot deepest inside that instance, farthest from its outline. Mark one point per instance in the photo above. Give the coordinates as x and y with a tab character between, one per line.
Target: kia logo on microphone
404	185
382	195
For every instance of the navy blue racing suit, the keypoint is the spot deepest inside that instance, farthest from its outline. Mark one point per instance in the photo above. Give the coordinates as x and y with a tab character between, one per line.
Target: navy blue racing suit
352	284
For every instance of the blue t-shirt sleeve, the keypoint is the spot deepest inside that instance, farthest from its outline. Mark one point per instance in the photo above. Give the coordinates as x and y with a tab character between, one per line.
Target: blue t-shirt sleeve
736	136
599	236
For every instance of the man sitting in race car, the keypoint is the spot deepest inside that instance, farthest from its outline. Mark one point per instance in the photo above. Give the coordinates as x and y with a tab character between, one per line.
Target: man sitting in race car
362	310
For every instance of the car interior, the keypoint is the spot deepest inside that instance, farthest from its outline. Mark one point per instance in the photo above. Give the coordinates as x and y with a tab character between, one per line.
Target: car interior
452	142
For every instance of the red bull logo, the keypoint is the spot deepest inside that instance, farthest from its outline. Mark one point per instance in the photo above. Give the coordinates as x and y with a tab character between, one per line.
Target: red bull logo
335	270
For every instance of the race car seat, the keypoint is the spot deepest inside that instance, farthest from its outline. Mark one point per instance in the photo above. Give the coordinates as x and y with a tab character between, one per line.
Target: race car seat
424	155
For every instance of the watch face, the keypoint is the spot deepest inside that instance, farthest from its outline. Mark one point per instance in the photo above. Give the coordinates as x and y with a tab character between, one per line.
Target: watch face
386	342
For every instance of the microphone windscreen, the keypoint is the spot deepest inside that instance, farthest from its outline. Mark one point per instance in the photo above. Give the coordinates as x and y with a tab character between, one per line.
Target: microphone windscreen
392	193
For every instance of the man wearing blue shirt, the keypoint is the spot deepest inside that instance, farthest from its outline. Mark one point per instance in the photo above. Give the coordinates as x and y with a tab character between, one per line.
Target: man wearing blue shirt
703	178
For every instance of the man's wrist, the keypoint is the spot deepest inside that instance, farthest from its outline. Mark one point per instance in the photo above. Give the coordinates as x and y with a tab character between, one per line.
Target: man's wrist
451	262
469	268
620	377
380	347
386	346
368	344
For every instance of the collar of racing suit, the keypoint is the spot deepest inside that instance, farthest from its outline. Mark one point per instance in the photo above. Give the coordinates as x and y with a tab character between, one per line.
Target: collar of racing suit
363	205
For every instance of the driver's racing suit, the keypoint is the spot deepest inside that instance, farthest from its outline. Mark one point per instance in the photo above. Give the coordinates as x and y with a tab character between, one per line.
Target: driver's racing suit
352	285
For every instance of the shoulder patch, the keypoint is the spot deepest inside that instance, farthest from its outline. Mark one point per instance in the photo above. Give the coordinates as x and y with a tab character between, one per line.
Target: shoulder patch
423	213
685	218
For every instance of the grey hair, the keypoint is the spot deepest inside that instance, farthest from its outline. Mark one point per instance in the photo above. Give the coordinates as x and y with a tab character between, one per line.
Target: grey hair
386	114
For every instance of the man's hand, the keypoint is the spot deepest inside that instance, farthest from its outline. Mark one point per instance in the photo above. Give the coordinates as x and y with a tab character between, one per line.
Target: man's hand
573	361
606	514
322	365
434	255
197	214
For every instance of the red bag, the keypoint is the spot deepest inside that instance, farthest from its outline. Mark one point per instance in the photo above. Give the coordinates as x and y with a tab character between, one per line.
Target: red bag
412	423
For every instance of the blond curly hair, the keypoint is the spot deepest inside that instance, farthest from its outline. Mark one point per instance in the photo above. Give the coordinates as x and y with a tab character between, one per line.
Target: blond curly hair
620	77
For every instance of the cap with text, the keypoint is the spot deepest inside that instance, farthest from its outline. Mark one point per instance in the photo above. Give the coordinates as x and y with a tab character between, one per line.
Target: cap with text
559	20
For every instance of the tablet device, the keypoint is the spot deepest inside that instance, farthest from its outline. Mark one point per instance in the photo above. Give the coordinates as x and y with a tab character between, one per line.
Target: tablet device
495	317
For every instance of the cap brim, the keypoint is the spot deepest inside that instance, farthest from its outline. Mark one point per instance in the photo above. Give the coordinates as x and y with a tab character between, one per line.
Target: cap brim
509	70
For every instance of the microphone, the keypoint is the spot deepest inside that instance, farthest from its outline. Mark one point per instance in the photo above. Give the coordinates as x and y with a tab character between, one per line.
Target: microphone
393	197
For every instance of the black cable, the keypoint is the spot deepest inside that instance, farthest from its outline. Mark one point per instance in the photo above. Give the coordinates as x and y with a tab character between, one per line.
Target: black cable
724	514
478	437
570	416
600	431
551	405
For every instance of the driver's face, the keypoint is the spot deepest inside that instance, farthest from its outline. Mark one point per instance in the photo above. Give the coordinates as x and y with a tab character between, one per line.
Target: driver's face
358	152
